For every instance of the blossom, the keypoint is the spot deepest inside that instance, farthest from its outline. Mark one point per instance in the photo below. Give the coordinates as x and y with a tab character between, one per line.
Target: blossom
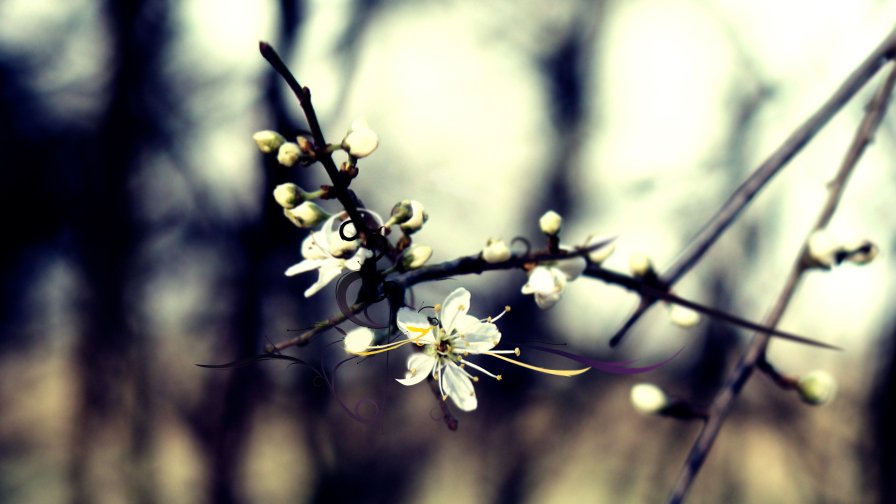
326	252
446	346
548	280
446	343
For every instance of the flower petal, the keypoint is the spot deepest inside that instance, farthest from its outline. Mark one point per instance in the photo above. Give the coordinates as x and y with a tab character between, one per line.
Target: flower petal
304	266
478	339
420	365
540	281
456	304
572	267
415	326
458	386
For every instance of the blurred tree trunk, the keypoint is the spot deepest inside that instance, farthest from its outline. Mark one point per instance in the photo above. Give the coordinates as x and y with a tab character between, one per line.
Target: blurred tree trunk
114	408
882	414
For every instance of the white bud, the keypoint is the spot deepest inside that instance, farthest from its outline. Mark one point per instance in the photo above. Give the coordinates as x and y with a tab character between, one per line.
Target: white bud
823	249
288	154
415	256
268	141
550	223
306	215
640	265
358	340
817	387
647	398
683	316
288	195
417	219
601	254
495	251
360	141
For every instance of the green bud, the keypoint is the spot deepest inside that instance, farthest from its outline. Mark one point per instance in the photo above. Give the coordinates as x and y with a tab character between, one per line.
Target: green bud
817	387
306	215
289	195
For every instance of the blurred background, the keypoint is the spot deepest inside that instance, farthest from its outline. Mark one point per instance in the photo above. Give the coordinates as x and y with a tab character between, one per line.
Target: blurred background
148	242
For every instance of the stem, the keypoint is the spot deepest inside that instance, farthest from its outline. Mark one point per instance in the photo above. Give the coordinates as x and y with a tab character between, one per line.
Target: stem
742	196
305	336
341	182
755	353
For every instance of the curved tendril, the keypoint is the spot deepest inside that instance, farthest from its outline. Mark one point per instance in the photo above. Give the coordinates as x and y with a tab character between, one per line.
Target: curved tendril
344	236
525	243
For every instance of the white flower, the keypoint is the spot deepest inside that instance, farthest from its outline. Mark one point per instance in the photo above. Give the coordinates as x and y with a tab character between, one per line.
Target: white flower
358	340
647	398
446	346
550	222
326	252
360	141
548	280
495	251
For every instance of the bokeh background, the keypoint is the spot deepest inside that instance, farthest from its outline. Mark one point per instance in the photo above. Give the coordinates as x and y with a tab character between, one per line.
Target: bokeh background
142	240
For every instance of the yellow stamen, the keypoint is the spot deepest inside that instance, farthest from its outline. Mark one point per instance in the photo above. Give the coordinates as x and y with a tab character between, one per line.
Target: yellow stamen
385	348
556	372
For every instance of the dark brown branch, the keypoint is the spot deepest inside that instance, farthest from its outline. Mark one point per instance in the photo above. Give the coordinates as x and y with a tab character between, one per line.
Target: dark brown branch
322	153
305	336
755	353
742	196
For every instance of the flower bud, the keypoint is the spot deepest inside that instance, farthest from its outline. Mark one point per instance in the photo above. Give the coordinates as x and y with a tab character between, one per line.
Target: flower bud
416	220
683	316
360	141
306	215
648	399
358	340
289	195
640	265
861	252
817	387
597	256
288	154
550	223
822	249
268	141
415	256
495	251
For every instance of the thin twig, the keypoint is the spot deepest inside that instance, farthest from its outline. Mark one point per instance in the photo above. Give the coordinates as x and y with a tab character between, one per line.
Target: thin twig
304	337
724	401
742	196
340	180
